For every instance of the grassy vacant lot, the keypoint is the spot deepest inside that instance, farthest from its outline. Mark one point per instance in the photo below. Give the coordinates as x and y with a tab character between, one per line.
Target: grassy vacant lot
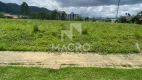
39	35
21	73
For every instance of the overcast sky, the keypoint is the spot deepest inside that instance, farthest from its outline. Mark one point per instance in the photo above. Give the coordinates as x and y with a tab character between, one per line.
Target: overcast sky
91	8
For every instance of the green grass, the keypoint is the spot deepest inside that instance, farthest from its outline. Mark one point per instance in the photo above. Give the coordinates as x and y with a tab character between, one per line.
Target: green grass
39	35
23	73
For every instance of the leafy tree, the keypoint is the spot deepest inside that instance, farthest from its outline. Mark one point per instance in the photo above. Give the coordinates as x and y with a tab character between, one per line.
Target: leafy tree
78	18
42	15
122	19
138	18
93	19
34	15
24	8
49	15
64	15
87	19
1	15
133	19
54	14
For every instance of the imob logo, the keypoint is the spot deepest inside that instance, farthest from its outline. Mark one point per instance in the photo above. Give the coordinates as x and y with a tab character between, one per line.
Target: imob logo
76	46
69	33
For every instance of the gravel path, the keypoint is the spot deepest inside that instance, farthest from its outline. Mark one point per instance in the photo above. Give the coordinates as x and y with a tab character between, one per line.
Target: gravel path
59	60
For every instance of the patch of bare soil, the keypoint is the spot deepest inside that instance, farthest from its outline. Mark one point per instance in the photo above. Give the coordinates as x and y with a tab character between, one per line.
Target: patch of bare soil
59	60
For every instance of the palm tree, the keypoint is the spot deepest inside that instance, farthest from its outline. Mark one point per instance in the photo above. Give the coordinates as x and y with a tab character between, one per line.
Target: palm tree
129	14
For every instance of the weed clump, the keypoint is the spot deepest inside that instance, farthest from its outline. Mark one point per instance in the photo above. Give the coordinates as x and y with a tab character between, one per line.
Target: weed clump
137	35
63	27
54	34
36	29
85	31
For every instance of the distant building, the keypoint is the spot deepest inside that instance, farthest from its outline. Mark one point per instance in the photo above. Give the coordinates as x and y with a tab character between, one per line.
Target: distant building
128	18
72	16
113	20
10	16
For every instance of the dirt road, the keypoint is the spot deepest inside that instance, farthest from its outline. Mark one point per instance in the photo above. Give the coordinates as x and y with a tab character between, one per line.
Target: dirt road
59	60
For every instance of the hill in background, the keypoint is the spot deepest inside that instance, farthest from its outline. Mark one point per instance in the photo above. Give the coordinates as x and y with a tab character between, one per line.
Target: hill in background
15	8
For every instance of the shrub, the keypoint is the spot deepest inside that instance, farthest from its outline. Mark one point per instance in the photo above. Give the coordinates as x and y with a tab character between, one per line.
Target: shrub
137	35
85	31
63	27
122	19
54	34
36	29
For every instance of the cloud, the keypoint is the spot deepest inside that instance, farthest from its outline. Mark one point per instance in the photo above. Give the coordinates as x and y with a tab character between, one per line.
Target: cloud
104	11
49	4
91	8
86	3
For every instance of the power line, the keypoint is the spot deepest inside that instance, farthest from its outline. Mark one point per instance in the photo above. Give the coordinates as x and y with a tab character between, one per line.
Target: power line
117	9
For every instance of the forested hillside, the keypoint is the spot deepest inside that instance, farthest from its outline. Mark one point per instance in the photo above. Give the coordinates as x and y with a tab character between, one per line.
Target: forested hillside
15	8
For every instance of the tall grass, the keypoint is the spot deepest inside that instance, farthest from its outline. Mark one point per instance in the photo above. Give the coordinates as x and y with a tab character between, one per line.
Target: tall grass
22	73
17	35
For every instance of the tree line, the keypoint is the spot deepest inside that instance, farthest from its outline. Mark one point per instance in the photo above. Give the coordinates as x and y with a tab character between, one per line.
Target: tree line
128	18
52	15
62	15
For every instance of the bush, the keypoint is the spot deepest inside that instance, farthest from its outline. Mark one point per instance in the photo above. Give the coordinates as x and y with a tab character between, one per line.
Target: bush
122	19
36	29
137	35
78	18
85	31
138	20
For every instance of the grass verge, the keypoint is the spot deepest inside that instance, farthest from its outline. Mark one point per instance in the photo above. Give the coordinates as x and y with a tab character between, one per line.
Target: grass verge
23	73
39	35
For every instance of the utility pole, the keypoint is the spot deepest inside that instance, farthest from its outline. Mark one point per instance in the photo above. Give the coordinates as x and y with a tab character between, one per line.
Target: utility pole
117	9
